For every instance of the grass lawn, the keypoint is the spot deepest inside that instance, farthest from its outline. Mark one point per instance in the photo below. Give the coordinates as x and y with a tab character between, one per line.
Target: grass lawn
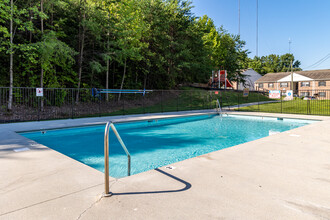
297	106
195	99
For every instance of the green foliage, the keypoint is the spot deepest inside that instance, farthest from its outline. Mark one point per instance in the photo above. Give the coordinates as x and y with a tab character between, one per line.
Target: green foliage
273	63
159	43
20	14
56	58
226	51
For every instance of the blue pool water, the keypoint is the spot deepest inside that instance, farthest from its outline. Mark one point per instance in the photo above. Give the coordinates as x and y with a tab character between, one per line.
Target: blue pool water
157	143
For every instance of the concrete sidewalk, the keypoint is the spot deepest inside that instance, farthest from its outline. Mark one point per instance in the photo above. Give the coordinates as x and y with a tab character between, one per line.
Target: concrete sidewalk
283	176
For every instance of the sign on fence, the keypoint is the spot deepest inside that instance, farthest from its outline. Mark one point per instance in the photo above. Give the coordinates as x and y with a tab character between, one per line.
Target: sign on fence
274	94
40	92
289	95
245	92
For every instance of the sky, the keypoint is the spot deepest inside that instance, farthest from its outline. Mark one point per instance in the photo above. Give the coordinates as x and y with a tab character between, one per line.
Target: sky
305	22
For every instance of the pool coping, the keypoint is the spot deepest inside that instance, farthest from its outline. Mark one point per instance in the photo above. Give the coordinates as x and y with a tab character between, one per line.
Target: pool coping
66	168
136	118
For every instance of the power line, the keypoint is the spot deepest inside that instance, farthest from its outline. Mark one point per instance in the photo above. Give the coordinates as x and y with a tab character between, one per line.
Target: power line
319	62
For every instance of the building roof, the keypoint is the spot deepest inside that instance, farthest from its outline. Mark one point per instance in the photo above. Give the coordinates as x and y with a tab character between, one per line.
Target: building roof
272	77
244	71
313	74
316	74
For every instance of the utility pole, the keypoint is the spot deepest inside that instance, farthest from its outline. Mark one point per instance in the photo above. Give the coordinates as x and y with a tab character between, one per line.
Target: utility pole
291	77
290	45
257	32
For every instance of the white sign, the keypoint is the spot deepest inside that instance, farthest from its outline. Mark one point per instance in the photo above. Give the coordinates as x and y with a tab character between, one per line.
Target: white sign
40	92
274	94
289	94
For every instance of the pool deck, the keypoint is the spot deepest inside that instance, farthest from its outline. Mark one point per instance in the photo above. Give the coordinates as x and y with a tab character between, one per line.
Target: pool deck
283	176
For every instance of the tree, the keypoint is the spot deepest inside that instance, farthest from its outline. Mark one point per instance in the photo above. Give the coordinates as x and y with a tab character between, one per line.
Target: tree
273	63
226	51
13	20
56	59
82	31
154	44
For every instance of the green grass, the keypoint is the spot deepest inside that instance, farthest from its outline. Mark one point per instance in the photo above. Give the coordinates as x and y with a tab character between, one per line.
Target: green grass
196	99
297	106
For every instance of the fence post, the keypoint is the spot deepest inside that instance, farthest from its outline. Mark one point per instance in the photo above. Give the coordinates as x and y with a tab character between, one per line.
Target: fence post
221	100
308	107
258	101
177	102
72	103
23	96
100	105
203	101
237	101
38	98
143	97
211	99
123	105
190	100
281	101
161	101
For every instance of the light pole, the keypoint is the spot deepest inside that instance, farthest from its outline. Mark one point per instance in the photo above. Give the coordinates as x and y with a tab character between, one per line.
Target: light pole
239	17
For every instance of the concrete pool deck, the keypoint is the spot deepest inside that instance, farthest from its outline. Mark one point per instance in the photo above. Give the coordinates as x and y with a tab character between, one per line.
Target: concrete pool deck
283	176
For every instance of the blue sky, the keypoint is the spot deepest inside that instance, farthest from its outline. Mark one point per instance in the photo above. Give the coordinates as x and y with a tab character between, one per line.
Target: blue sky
305	22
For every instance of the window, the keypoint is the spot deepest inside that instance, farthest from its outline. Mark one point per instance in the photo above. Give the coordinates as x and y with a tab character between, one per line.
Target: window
304	93
322	83
322	94
261	85
304	84
270	85
284	85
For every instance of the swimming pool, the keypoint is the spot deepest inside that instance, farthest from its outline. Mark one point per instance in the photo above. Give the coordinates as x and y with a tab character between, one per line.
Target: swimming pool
156	143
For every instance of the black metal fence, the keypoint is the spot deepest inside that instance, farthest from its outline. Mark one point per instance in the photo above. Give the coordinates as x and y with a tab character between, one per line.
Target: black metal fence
309	102
63	103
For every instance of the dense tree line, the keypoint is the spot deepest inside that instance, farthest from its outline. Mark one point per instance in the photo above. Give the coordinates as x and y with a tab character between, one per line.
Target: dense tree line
154	44
66	42
273	63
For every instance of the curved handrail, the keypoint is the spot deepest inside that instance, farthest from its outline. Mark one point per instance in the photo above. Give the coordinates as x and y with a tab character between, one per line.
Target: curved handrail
219	108
106	155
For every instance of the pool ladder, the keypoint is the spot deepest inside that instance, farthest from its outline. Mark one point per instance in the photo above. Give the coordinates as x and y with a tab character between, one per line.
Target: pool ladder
219	108
106	155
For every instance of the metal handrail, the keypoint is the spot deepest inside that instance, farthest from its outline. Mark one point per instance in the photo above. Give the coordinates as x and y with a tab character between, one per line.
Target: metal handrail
106	155
219	108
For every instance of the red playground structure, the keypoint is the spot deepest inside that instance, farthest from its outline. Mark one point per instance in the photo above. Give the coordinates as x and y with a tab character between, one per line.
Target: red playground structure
219	80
